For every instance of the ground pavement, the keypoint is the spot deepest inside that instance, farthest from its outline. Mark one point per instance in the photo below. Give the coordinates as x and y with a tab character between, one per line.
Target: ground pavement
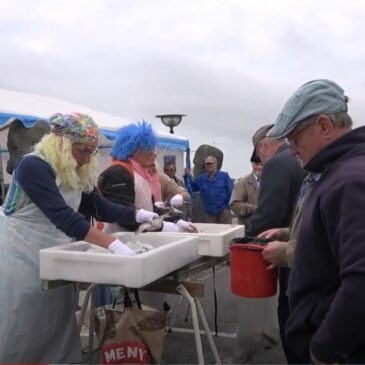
248	331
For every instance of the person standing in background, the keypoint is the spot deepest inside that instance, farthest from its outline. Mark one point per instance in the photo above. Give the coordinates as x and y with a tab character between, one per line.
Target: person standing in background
215	188
170	171
244	195
281	180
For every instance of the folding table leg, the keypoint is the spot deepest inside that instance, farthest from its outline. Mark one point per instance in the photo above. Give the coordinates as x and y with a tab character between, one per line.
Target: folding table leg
91	327
194	316
207	331
84	304
173	318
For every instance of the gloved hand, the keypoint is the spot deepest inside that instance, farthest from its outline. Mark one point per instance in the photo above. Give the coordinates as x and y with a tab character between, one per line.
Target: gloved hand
143	216
160	205
169	227
176	201
185	226
119	248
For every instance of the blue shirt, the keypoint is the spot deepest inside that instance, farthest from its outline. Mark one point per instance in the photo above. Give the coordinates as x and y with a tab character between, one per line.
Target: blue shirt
215	191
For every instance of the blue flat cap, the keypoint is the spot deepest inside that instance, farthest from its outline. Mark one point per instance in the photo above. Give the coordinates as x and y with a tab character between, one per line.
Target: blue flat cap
313	98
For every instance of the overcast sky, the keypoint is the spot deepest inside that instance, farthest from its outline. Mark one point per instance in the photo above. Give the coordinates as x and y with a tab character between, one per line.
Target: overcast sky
229	65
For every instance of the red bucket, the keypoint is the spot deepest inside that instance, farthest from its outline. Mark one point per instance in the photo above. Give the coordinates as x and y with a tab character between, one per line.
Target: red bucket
249	275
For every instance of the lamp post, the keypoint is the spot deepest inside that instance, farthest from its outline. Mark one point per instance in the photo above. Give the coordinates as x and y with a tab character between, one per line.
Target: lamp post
171	120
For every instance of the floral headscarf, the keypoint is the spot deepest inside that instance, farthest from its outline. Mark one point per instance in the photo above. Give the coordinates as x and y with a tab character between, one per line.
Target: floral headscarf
78	127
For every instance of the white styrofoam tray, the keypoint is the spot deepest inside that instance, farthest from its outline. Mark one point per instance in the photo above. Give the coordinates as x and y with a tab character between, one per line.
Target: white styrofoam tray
214	238
72	261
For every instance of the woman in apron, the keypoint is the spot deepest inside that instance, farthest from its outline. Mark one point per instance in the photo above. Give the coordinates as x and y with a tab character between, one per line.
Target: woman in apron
48	188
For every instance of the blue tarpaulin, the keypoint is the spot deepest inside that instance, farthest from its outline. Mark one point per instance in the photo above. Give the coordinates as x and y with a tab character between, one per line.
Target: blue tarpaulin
27	120
175	143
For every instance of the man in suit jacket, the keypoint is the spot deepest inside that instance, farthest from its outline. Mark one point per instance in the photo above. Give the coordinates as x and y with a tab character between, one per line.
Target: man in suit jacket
281	179
244	195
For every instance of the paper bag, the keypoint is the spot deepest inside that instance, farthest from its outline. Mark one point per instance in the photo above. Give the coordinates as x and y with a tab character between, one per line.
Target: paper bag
132	336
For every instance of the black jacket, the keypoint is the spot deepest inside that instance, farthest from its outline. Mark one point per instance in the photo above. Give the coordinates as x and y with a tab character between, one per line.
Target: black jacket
327	283
280	182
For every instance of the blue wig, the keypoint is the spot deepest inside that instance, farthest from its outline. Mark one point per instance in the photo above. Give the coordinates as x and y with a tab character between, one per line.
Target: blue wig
131	138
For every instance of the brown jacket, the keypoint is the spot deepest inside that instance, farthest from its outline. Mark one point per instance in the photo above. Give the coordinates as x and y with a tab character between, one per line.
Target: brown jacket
244	198
169	188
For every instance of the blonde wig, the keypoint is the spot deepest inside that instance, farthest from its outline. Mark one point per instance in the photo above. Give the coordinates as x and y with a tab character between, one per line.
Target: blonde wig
57	151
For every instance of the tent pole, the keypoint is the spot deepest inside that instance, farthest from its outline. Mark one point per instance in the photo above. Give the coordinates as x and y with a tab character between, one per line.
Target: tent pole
2	185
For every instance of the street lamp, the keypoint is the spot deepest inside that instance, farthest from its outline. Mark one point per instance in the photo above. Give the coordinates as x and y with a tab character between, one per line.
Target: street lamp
171	120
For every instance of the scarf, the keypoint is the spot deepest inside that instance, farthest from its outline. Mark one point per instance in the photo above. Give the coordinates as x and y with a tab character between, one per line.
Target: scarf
151	178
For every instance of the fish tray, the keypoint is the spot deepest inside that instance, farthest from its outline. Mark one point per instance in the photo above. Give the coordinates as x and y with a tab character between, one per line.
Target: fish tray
76	262
214	239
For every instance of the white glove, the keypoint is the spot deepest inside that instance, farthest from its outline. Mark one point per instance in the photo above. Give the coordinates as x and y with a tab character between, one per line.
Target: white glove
119	248
176	201
185	226
160	205
144	216
170	227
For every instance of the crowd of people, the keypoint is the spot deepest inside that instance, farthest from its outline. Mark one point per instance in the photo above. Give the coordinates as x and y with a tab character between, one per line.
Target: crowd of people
304	193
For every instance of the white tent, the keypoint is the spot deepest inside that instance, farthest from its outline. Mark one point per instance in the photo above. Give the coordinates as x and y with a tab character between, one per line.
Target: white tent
28	108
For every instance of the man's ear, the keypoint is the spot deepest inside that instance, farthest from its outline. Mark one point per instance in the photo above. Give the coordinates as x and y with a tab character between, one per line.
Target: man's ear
325	125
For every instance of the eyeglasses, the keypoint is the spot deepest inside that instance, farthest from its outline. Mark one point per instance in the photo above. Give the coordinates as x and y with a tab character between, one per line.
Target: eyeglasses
293	140
85	149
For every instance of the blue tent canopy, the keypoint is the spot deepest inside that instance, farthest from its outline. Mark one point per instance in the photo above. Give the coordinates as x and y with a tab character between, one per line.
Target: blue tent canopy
28	121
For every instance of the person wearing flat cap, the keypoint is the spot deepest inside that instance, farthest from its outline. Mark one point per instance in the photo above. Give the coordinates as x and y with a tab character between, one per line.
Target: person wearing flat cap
326	288
215	188
47	189
280	182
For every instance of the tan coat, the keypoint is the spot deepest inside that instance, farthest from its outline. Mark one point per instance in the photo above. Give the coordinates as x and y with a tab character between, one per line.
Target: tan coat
169	188
244	198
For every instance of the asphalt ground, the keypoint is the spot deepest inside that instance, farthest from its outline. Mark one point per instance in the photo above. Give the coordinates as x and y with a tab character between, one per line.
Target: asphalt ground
247	328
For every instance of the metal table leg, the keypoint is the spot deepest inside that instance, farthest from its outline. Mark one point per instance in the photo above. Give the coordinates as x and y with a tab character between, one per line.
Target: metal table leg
89	296
91	327
173	318
194	315
89	290
207	331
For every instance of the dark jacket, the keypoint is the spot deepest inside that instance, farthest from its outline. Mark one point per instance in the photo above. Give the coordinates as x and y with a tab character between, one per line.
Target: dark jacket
327	283
280	182
116	184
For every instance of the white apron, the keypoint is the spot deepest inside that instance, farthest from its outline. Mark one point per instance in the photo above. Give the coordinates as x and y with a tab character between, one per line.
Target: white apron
142	200
36	326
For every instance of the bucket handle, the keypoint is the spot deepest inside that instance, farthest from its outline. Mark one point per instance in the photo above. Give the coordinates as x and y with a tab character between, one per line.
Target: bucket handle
251	240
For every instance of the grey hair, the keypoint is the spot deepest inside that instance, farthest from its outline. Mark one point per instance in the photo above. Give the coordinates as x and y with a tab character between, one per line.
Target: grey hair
341	120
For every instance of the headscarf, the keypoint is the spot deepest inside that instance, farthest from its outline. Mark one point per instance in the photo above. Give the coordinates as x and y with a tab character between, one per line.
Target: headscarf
78	127
131	138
